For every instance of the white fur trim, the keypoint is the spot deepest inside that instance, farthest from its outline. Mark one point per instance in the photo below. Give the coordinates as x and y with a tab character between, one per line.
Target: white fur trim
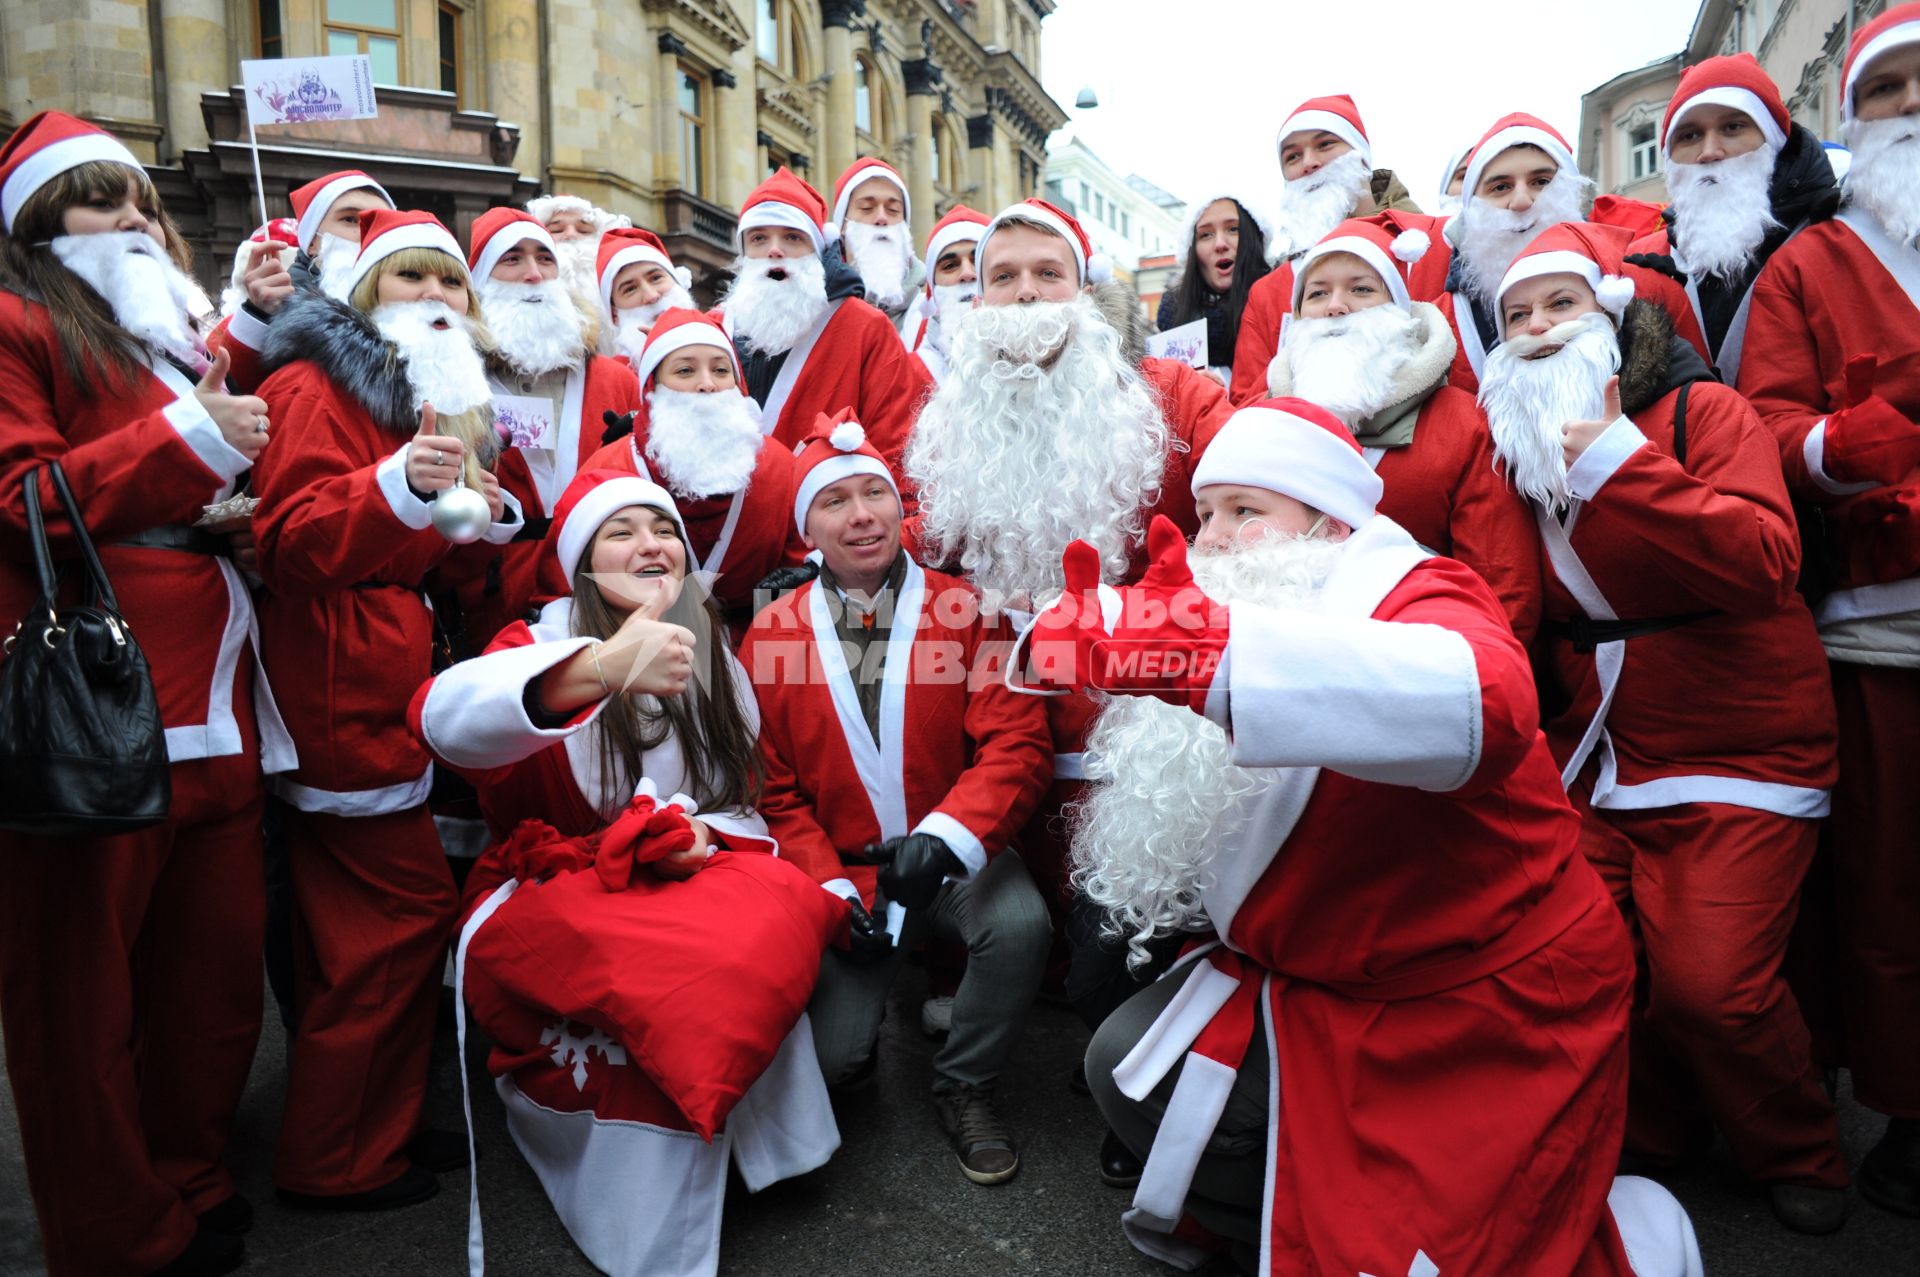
831	471
1099	268
963	841
505	240
52	160
1391	273
866	170
946	237
655	352
1746	101
309	224
1813	450
1603	458
242	327
356	802
399	239
1505	140
776	213
847	436
1562	261
841	887
475	714
1446	178
199	432
1654	1229
1024	212
1267	448
1892	38
1410	246
391	476
597	506
1329	121
627	257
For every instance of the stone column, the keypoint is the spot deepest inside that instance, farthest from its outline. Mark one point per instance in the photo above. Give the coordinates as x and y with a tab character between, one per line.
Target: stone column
980	164
921	77
510	75
193	40
728	124
666	99
836	143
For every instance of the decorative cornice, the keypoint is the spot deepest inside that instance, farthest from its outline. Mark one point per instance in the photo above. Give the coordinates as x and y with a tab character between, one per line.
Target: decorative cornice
724	79
764	138
712	19
921	76
671	43
841	13
979	131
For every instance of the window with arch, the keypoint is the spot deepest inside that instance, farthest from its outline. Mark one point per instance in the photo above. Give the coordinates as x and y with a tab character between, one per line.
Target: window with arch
766	31
946	156
863	90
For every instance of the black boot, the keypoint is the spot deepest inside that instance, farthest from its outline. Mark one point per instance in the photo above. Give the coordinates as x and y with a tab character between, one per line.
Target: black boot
438	1151
1118	1166
235	1216
1808	1208
1890	1175
207	1255
415	1185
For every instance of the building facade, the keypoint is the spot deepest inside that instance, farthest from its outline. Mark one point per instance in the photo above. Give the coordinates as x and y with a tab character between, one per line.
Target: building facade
1127	218
669	111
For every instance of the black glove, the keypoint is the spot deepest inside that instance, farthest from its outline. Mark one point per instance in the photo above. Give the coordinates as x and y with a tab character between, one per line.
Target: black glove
912	867
619	425
780	580
867	938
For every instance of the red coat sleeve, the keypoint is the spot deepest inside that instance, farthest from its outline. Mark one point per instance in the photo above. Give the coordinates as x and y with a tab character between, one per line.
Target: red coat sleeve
1012	752
785	805
1268	303
1782	376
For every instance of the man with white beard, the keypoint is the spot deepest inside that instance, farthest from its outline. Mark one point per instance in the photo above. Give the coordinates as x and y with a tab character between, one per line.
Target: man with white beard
577	226
953	281
1453	1022
872	231
1830	366
1743	178
638	283
1327	162
808	344
1698	738
1361	348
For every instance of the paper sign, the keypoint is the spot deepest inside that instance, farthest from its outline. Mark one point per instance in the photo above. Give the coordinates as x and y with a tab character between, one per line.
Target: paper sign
309	90
1186	344
524	421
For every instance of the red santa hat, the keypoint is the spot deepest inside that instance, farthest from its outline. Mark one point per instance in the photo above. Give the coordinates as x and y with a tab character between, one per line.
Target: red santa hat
1335	114
496	232
544	207
678	328
1095	268
620	248
1297	449
1518	129
857	172
1386	246
1590	250
960	225
783	200
45	147
1898	26
279	231
311	202
1734	81
590	500
386	231
837	449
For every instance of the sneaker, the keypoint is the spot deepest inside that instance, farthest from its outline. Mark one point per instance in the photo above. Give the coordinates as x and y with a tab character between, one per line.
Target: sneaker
971	1121
1808	1208
936	1017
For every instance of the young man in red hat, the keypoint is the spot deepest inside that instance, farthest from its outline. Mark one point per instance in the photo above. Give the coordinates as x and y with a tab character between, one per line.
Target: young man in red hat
953	281
637	283
1698	743
1830	364
807	341
871	229
899	770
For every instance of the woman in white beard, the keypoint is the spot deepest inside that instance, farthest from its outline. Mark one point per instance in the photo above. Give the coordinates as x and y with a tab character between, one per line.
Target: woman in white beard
382	402
636	284
127	1060
699	435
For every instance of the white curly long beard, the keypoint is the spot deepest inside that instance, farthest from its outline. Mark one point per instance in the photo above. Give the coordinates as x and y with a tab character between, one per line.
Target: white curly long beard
1166	794
1311	206
1721	211
1014	461
1528	401
1885	177
882	255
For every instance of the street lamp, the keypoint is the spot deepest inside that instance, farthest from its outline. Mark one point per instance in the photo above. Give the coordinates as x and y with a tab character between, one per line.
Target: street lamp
1087	99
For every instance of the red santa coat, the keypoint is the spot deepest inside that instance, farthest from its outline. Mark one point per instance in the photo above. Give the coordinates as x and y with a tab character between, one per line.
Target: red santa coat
1452	1024
959	754
136	459
1733	707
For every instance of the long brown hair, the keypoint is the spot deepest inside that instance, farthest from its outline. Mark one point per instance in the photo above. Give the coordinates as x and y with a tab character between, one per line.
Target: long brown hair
100	355
722	756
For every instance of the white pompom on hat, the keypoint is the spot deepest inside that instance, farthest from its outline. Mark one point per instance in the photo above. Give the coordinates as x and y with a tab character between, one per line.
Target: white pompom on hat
1591	250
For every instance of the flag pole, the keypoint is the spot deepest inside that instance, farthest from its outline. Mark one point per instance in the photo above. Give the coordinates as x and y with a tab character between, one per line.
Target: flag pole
259	184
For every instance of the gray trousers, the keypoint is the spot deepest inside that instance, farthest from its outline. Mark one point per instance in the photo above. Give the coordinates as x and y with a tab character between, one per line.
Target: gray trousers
1001	919
1230	1184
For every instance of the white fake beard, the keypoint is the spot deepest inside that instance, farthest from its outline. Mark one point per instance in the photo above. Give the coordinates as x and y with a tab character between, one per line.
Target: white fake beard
1347	364
948	303
1166	794
882	256
1722	211
443	367
537	326
631	324
774	314
1490	237
1014	461
1313	205
150	296
1528	401
703	445
1885	177
333	264
579	263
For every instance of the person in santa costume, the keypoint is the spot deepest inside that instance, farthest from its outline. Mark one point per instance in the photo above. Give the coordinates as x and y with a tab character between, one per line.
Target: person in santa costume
1327	161
1226	256
1832	364
1672	558
1453	181
952	283
638	283
1743	178
383	402
129	964
699	435
898	772
870	229
624	685
1364	1061
577	226
807	341
281	234
1520	180
326	231
1361	348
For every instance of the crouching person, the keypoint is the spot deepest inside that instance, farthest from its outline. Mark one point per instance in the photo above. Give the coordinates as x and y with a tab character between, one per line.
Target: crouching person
898	767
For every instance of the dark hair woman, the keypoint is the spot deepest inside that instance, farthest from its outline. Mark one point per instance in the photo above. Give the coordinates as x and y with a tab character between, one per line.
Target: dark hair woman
130	964
1226	255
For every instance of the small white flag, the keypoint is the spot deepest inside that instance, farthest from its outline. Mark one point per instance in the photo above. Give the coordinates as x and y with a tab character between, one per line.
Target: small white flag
1186	344
309	90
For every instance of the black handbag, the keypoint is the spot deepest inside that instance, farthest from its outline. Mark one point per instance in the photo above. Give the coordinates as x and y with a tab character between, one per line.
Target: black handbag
83	753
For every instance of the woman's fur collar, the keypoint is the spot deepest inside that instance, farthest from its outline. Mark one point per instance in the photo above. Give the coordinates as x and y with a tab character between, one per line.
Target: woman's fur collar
1417	379
345	345
1653	358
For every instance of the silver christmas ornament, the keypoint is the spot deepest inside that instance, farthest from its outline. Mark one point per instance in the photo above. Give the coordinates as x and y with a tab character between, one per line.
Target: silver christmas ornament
461	515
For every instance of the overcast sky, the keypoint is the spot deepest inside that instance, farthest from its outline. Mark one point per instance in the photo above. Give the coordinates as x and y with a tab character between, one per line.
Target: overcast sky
1192	91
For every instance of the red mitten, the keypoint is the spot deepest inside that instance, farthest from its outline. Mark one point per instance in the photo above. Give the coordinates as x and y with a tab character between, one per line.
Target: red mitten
1062	638
1881	530
1868	439
643	833
1169	637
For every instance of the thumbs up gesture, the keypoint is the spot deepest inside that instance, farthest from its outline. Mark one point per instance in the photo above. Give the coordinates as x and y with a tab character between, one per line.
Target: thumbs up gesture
242	418
1869	440
434	461
1577	436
